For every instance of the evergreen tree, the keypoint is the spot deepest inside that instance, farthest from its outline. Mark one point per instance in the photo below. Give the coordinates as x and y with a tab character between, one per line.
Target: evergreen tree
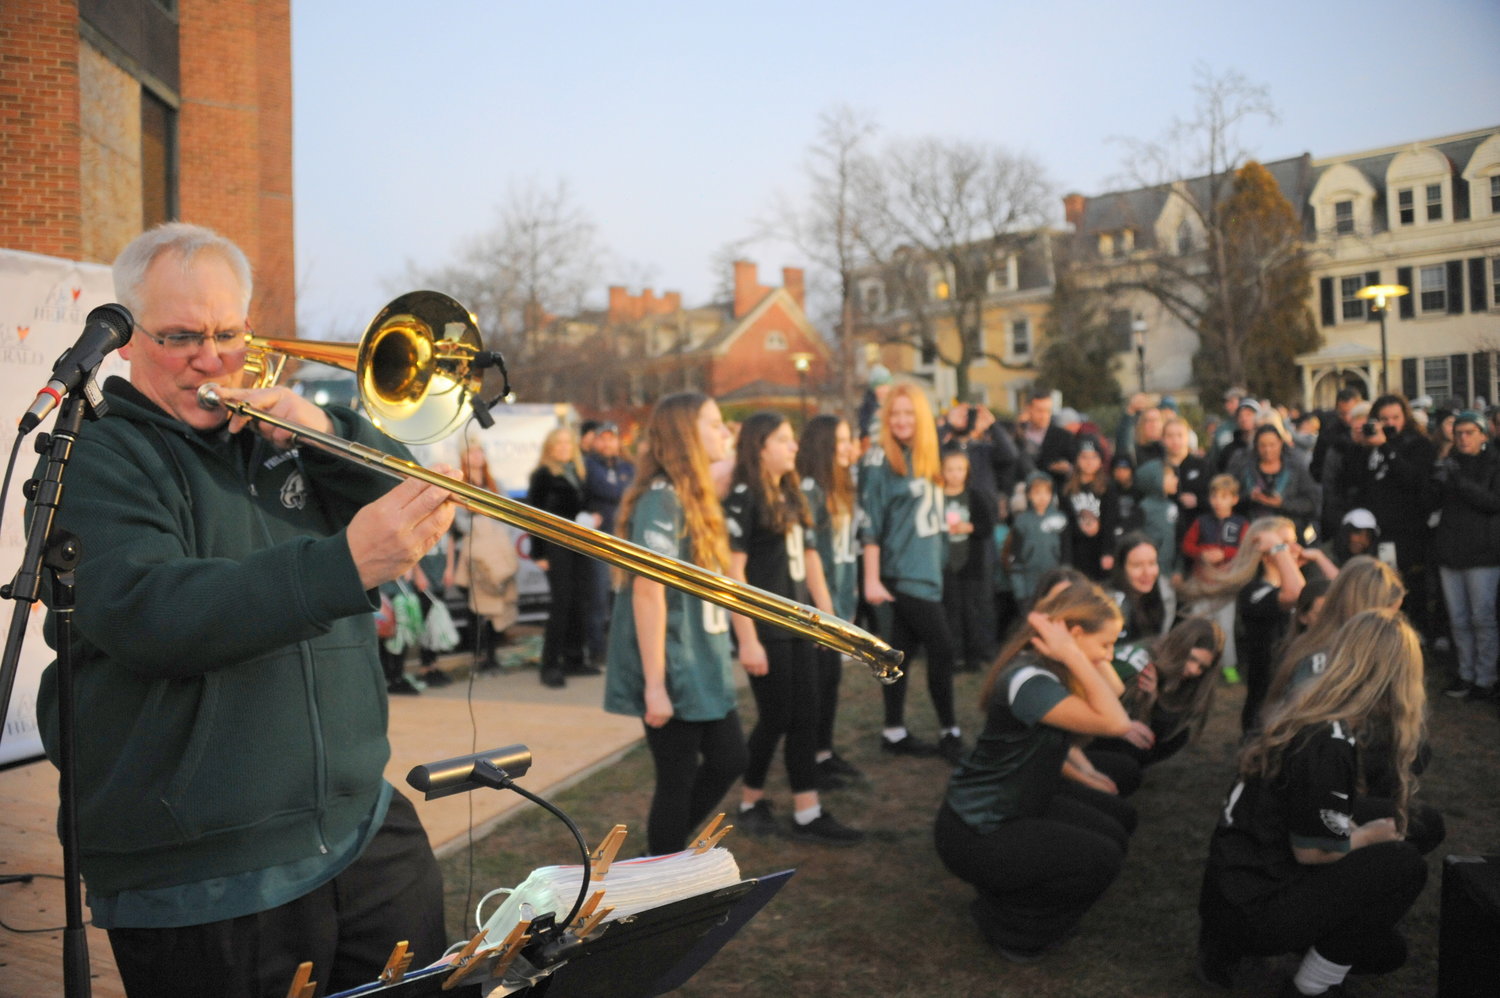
1081	356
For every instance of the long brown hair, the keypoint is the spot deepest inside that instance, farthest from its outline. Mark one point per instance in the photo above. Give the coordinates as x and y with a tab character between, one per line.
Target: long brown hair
817	458
670	448
1082	604
1191	697
925	462
781	501
1229	579
1364	583
1372	687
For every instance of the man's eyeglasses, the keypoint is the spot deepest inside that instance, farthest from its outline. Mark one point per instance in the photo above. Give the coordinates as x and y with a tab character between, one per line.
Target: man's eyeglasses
186	344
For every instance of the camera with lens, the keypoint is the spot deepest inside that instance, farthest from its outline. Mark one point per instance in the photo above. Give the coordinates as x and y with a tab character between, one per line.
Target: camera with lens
1371	428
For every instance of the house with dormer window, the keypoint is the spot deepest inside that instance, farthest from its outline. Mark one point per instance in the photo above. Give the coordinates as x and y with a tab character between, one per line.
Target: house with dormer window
1425	215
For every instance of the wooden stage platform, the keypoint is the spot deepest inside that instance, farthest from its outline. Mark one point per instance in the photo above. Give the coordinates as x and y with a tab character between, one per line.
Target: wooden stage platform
568	734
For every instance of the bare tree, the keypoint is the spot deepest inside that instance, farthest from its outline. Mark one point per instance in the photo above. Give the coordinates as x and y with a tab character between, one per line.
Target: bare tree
1213	281
540	259
826	226
942	219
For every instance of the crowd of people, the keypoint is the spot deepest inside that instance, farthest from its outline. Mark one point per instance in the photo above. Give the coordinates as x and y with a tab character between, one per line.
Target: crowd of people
1108	588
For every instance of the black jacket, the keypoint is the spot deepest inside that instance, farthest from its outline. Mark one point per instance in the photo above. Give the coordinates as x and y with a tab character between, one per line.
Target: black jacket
1467	491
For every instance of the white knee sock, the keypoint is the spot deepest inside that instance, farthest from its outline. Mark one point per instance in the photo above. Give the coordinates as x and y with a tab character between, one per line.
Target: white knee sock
1318	973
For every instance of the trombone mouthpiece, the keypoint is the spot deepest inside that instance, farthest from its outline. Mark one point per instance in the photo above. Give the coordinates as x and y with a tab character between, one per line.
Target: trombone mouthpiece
208	395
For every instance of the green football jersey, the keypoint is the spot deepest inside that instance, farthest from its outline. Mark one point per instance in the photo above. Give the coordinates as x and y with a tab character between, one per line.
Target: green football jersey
836	549
700	676
903	515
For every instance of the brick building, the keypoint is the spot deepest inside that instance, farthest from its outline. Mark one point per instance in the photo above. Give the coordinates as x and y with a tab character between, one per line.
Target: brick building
744	352
119	114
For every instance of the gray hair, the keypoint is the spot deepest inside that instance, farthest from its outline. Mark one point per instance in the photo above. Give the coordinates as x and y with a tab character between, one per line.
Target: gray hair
186	241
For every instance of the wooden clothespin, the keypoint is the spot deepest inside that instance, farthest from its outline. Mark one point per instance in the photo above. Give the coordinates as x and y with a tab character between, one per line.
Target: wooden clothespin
603	856
588	908
466	960
398	964
709	837
303	986
510	949
592	922
478	964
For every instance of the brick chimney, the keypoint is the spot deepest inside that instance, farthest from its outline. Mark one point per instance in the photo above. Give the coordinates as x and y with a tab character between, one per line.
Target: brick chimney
747	289
619	302
1073	205
792	279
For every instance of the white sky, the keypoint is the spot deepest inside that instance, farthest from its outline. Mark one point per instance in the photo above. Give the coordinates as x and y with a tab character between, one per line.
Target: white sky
676	124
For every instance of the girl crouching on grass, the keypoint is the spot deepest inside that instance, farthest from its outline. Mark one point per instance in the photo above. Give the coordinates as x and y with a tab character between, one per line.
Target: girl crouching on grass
1039	849
1289	869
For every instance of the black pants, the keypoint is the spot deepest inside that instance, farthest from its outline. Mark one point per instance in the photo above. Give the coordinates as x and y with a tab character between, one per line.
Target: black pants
1121	767
347	928
915	625
786	702
830	674
1348	909
970	607
696	764
570	580
1036	877
1162	750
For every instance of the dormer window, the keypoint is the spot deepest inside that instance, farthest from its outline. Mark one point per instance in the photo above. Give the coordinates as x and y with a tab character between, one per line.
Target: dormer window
1434	202
1343	218
1406	206
1127	241
776	340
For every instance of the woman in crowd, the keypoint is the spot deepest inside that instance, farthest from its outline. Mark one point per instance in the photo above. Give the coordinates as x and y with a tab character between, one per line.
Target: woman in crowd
1274	482
1145	597
669	658
825	455
1265	577
557	486
1039	850
483	560
1467	550
772	547
1290	867
1193	473
904	549
1170	685
1092	503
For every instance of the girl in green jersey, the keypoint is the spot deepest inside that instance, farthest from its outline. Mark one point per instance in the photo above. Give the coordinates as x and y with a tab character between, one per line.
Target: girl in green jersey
669	661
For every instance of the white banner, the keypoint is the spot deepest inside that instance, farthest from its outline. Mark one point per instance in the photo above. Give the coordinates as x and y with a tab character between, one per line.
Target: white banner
43	302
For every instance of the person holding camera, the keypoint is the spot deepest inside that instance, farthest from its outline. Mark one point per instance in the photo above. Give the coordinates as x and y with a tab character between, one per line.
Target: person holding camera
1466	488
992	453
1388	465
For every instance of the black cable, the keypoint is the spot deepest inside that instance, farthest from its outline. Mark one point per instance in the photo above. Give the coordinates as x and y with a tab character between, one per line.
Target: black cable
15	450
26	878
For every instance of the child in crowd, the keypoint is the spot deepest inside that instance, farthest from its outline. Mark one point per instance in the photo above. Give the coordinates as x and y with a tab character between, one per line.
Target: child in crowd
1212	541
1092	503
1127	514
1038	537
1156	485
966	571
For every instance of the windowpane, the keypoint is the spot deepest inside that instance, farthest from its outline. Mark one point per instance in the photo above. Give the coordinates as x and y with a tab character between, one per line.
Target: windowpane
1495	281
1353	308
1343	217
1020	337
1434	202
1434	289
1495	194
1405	203
158	181
1437	380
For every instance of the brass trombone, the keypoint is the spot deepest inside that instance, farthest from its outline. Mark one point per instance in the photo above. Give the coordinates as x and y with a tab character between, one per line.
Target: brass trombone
415	372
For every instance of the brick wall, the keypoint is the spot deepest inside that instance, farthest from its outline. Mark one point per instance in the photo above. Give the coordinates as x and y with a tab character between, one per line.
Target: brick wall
110	155
40	199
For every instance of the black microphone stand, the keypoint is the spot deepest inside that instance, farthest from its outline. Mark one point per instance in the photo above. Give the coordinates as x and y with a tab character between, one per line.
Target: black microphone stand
56	553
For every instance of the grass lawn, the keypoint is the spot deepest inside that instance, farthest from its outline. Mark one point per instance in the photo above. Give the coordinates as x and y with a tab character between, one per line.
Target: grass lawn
885	918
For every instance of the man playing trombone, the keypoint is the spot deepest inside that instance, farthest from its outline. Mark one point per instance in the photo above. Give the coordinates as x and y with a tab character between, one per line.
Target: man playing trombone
233	816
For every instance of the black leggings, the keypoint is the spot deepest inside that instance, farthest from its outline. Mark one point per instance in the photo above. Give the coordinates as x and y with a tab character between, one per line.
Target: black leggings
830	672
696	764
1348	909
1036	877
786	700
569	579
918	624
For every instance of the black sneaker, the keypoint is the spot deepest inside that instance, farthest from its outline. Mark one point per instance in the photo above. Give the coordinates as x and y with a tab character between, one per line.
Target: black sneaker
1481	694
828	830
825	780
910	745
554	678
841	767
951	747
402	687
436	678
758	821
1458	689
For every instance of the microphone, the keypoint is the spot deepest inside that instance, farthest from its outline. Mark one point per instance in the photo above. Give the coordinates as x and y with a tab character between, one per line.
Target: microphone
107	328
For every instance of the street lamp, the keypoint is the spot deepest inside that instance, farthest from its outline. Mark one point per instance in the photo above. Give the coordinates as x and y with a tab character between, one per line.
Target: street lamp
1138	337
803	363
1378	293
